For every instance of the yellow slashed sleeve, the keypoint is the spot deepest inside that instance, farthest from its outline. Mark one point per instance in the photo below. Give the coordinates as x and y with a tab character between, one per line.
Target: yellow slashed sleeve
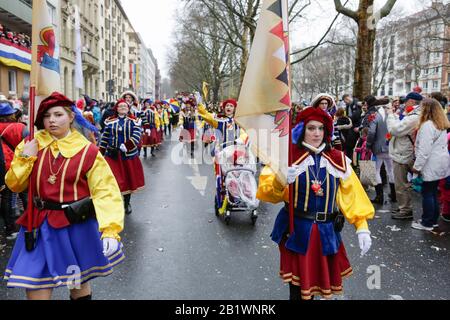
17	177
105	194
208	117
270	189
354	203
157	120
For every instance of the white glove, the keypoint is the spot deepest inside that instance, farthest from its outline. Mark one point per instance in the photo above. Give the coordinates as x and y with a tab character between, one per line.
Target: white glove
110	246
365	241
292	174
123	148
148	131
182	127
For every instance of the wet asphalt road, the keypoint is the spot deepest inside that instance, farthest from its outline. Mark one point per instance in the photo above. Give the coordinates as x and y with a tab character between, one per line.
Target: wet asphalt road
178	250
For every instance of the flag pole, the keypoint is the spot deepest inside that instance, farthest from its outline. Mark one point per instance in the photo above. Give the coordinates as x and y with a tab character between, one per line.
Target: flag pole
285	7
31	113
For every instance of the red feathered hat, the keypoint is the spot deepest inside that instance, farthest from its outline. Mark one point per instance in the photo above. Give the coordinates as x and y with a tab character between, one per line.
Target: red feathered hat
229	101
317	114
56	99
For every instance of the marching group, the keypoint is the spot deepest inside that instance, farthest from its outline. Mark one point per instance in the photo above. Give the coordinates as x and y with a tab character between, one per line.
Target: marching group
84	163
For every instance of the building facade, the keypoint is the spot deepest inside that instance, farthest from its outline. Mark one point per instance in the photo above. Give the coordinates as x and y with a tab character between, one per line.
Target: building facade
114	57
15	21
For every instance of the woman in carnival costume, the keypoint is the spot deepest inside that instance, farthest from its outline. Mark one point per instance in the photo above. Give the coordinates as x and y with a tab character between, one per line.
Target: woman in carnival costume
151	124
227	130
188	123
133	102
119	144
313	257
77	205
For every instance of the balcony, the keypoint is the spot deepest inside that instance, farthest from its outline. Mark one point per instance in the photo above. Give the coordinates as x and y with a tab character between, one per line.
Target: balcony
16	15
90	63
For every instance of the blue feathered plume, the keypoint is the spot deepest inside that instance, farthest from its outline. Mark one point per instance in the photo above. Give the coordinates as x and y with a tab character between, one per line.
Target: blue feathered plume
297	132
81	120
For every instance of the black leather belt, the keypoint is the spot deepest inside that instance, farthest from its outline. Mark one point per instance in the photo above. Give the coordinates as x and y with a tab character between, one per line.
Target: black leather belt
46	205
320	217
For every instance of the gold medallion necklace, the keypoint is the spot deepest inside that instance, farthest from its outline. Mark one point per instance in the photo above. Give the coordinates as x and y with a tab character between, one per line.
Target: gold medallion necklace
53	176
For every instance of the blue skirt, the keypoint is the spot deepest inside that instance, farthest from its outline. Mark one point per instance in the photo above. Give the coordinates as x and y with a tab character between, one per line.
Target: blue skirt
63	257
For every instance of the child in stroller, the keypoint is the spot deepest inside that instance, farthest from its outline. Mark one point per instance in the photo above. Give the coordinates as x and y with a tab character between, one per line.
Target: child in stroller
236	182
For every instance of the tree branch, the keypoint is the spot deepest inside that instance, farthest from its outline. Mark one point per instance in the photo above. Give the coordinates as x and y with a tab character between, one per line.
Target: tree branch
345	11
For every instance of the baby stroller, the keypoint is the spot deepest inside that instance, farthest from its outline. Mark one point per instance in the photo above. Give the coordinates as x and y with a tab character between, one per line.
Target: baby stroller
235	181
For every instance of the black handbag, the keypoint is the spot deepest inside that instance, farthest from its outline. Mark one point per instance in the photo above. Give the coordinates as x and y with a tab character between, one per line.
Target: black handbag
339	222
80	211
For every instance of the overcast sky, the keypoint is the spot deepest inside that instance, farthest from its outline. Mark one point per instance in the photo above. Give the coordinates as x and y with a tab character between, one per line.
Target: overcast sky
155	20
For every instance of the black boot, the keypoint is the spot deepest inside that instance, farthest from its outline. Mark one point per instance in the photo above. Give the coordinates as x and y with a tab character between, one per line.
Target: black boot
294	293
153	152
86	298
145	153
393	195
126	201
379	199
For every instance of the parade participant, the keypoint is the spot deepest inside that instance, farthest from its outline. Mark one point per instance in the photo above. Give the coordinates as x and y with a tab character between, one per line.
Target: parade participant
133	102
11	134
166	116
325	102
188	123
119	144
227	130
313	257
151	124
160	132
77	203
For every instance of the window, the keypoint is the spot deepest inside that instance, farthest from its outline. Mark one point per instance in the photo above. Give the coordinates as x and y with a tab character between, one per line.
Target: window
425	85
12	80
435	84
52	12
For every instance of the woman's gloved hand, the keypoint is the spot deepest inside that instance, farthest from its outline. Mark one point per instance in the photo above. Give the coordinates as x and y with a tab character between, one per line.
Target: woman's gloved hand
110	246
123	148
365	241
292	174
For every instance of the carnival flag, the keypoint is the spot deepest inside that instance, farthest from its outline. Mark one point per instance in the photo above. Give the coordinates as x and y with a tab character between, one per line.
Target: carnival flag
205	89
265	99
45	73
79	80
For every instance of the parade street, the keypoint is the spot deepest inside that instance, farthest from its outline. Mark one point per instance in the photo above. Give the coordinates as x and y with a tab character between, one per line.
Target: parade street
177	249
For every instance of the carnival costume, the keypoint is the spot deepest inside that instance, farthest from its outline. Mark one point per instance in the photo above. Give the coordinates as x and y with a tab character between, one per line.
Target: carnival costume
151	124
119	144
313	257
65	172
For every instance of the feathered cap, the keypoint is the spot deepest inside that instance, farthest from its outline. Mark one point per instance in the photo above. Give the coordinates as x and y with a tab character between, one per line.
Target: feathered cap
57	99
312	114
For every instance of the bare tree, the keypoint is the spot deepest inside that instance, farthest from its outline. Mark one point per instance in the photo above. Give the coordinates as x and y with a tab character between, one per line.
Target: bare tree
367	20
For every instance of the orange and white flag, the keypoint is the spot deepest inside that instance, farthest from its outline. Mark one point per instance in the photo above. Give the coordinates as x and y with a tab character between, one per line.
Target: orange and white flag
265	100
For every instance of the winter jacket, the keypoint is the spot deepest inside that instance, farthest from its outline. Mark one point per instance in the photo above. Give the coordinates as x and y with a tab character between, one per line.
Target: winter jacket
376	140
432	158
401	147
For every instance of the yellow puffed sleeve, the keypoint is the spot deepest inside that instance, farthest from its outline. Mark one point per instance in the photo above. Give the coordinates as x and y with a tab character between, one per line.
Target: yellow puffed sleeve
105	194
354	203
270	189
157	120
208	117
18	175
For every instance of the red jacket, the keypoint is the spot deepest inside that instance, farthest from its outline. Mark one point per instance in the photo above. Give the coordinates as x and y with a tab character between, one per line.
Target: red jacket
12	134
